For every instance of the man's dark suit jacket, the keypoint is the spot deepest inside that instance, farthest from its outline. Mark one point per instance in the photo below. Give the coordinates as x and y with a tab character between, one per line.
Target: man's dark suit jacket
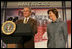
29	41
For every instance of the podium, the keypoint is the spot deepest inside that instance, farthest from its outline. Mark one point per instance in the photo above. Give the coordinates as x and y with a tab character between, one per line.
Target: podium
22	34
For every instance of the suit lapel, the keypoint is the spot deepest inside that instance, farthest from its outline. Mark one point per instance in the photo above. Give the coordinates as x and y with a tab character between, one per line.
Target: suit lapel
29	20
22	20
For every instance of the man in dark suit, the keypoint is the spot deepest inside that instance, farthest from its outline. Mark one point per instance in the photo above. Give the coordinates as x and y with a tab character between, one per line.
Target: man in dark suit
29	43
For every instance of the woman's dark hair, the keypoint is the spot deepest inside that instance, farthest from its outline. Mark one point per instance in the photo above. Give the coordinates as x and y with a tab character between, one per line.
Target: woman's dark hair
54	10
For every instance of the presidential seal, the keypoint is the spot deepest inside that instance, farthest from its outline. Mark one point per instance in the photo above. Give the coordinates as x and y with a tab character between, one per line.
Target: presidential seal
8	27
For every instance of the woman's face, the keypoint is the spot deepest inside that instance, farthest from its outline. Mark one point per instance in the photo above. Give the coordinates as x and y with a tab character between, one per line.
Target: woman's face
51	15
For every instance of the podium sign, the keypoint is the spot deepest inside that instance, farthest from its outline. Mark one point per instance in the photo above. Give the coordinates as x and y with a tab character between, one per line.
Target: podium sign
8	27
16	33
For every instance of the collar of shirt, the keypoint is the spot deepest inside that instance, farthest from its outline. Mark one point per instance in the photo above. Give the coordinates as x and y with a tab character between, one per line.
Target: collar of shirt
57	20
27	18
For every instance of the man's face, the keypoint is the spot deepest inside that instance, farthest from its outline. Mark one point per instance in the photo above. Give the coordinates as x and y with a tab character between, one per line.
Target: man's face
26	12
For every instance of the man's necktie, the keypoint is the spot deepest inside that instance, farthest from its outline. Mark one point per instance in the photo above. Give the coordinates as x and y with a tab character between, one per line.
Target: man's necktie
26	20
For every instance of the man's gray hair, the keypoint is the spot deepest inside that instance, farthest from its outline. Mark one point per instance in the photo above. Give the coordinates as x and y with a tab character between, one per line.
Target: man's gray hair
28	7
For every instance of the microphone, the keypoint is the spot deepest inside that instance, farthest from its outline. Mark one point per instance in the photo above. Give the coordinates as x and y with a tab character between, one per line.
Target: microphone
10	19
15	19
